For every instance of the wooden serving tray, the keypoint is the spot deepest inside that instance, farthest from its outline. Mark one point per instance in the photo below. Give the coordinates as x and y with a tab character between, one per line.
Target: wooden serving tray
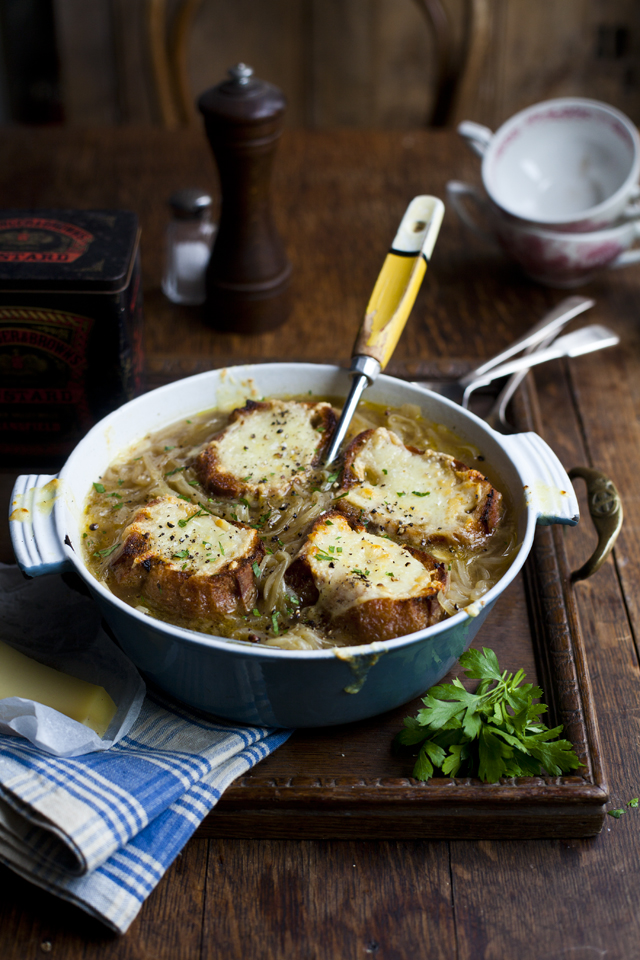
343	782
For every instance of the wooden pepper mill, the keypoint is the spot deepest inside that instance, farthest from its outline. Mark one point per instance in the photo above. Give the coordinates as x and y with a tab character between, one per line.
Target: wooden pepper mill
248	273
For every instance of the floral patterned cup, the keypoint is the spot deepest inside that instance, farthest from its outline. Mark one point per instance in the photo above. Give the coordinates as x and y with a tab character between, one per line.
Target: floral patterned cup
569	164
552	257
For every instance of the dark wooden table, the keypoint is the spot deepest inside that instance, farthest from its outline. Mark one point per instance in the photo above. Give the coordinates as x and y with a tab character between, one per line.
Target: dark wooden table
338	198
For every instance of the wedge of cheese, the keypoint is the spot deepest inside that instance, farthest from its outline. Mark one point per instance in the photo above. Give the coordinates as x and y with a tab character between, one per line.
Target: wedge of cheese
268	448
424	497
20	676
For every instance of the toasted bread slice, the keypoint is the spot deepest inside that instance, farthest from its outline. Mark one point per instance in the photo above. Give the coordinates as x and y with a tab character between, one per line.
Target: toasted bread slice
268	448
368	587
187	562
423	497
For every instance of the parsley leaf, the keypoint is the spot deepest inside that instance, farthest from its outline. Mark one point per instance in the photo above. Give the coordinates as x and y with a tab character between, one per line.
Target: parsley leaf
107	551
198	513
99	487
322	555
492	733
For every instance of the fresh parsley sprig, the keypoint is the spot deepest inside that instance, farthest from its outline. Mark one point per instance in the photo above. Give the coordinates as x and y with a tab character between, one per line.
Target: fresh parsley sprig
492	733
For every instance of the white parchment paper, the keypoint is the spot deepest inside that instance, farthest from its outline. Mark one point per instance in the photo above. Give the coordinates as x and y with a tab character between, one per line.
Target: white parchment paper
45	619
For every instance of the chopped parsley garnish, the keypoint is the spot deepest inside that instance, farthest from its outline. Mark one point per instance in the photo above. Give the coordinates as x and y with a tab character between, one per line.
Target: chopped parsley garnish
256	570
107	551
322	555
256	612
274	621
415	493
169	448
99	487
384	471
400	493
329	523
181	496
360	573
171	472
340	496
182	555
198	513
332	477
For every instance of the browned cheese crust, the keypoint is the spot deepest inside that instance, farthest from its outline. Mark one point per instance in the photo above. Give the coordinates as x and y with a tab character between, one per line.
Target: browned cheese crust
257	455
454	504
352	607
180	586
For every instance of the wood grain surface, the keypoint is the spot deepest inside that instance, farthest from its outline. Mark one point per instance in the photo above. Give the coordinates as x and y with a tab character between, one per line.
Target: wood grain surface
338	197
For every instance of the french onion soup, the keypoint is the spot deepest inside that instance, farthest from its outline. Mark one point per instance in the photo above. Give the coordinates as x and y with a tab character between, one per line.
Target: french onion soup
229	524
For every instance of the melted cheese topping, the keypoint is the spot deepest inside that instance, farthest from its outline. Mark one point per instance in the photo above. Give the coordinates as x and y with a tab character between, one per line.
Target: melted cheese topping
270	450
349	567
416	495
187	538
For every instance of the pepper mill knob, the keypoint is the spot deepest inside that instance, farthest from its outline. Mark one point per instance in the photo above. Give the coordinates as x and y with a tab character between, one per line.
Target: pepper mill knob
248	274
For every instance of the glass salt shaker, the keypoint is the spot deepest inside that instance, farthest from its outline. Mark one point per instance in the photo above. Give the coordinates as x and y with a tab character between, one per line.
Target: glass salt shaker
189	240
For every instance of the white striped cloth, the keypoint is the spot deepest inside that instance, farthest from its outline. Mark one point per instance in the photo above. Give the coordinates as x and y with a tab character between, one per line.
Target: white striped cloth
100	830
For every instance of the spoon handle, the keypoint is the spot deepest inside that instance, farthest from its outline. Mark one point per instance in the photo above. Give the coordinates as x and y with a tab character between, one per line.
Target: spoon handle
390	304
551	323
399	280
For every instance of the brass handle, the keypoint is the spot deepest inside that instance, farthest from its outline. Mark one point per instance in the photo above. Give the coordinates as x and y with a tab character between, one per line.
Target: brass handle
606	512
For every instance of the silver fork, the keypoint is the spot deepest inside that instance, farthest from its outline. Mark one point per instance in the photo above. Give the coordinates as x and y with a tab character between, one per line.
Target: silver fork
549	326
496	417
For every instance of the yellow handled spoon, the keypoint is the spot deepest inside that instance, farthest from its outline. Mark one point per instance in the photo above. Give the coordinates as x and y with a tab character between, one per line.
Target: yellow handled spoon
390	304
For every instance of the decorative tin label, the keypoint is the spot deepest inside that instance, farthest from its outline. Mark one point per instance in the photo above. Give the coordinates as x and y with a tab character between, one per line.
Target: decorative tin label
38	240
43	360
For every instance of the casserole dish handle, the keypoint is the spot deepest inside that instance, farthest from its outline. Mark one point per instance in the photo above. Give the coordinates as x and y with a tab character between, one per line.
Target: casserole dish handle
34	537
548	489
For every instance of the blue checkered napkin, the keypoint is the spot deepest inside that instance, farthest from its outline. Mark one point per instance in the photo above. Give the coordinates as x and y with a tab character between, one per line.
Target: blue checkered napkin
100	830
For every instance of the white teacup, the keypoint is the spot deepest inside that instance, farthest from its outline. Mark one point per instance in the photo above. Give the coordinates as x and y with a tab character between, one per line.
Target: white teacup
570	164
552	257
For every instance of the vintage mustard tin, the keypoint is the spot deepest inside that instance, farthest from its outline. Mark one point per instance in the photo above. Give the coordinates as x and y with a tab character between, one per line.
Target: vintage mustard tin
70	327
